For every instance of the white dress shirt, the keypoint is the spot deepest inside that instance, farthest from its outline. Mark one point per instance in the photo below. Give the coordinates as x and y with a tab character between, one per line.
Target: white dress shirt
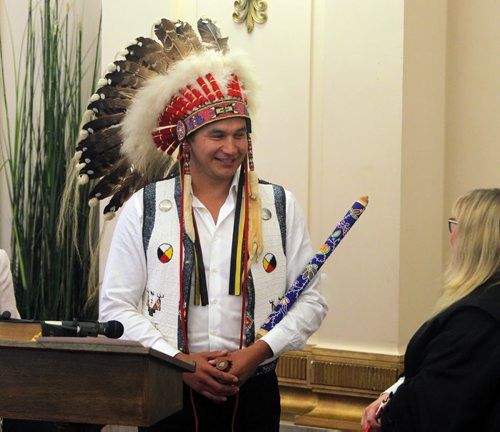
7	299
217	325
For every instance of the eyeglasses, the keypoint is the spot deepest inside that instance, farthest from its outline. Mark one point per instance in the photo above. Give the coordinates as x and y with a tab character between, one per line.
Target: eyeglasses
451	224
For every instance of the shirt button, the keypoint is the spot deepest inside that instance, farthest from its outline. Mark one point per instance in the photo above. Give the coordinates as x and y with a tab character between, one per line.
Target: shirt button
215	301
213	332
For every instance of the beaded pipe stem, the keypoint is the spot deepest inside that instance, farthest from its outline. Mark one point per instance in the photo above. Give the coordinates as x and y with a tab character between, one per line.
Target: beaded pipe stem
311	269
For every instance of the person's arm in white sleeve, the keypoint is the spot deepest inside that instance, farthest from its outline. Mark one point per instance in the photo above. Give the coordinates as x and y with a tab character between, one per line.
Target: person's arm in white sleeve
309	310
372	412
393	388
7	298
125	280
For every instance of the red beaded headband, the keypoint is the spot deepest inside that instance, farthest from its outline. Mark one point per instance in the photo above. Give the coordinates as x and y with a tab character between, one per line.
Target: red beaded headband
196	106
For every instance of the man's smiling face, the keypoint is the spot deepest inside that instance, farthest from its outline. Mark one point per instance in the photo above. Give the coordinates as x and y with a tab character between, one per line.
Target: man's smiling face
218	149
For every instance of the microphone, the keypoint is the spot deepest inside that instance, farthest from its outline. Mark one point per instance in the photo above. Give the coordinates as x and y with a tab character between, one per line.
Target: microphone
5	316
112	329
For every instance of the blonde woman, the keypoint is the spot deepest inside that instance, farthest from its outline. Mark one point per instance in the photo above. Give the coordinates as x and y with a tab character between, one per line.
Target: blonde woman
7	299
452	363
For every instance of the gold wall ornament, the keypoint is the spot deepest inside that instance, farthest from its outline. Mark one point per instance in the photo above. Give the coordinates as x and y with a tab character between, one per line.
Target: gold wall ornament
250	11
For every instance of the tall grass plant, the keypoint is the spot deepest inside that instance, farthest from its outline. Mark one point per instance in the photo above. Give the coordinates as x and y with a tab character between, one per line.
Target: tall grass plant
39	132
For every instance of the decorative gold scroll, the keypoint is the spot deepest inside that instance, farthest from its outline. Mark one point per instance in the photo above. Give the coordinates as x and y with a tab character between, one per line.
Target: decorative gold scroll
250	11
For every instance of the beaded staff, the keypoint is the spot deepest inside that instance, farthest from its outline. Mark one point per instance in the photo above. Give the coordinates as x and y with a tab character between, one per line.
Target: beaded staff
308	274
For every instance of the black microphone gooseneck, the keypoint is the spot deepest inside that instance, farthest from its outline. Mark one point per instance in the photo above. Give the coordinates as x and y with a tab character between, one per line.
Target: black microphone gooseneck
112	329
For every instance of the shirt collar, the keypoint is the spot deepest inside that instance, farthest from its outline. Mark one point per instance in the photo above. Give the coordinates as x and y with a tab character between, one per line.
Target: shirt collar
231	198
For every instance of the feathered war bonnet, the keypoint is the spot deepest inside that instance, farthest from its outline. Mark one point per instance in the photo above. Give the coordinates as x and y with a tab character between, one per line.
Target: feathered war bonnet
151	99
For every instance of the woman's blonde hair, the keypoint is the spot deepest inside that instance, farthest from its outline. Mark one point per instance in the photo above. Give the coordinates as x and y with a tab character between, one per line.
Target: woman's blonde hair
476	252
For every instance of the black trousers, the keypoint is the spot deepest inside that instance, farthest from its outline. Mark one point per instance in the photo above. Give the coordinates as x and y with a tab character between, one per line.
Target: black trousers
257	409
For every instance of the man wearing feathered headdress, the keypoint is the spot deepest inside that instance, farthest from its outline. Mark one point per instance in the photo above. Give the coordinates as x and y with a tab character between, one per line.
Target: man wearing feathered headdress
198	258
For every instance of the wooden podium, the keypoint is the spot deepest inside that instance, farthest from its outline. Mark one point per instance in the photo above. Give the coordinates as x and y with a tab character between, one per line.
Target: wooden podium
87	380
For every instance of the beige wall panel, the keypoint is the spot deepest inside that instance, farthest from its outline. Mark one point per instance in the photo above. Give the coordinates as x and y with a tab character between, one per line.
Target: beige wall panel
356	125
124	20
422	182
473	93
